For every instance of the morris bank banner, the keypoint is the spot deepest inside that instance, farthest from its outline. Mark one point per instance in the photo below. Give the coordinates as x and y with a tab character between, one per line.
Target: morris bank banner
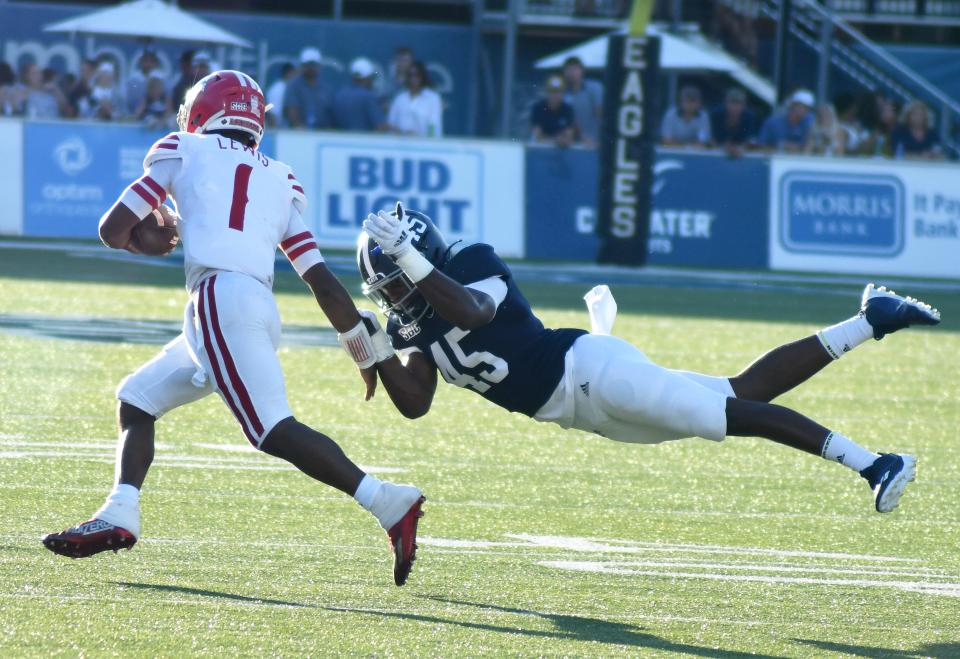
473	190
869	217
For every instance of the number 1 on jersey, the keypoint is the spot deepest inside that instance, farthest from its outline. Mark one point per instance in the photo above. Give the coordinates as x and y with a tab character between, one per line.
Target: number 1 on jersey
241	179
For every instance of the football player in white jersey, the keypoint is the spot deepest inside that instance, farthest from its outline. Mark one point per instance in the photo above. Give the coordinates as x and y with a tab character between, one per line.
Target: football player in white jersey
236	206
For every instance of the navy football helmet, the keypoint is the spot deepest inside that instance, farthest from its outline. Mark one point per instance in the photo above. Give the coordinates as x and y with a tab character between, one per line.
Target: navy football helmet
383	280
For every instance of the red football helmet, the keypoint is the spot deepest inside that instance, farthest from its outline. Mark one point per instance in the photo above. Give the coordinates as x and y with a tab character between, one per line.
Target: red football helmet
228	100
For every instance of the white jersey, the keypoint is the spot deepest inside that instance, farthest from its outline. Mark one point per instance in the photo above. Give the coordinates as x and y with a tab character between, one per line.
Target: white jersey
236	206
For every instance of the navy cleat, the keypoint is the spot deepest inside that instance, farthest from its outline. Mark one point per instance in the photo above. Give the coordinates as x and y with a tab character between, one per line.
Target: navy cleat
888	312
888	477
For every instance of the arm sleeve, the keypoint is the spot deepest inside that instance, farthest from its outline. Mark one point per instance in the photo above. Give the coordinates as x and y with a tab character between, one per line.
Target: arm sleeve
404	354
145	195
494	286
299	245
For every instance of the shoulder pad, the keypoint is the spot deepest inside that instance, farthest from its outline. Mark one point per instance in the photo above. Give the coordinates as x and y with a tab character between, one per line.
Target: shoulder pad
169	146
476	262
299	197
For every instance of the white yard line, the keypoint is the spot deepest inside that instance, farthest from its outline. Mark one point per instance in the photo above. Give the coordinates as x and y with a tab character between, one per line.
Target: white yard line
921	587
634	546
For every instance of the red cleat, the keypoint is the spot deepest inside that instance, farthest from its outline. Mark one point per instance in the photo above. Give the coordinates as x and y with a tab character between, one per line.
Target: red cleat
403	542
89	538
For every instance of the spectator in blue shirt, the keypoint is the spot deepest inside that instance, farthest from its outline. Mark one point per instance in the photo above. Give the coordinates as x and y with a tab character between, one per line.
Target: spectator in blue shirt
788	130
733	124
915	137
307	102
552	118
356	106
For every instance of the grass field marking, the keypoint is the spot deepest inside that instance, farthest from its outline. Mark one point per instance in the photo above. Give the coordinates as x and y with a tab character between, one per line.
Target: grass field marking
230	448
856	570
139	331
921	587
572	543
467	544
103	452
80	443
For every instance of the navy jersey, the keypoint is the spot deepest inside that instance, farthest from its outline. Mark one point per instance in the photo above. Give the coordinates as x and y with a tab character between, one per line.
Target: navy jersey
512	361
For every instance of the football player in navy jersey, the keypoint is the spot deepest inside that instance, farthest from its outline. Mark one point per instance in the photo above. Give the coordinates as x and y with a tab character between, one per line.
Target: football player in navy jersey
457	309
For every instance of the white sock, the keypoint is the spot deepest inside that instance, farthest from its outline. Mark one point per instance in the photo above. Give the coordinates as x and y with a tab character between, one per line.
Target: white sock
844	337
367	490
122	508
838	448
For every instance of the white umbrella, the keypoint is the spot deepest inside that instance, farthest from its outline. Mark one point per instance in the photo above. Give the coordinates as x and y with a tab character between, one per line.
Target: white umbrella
676	54
148	19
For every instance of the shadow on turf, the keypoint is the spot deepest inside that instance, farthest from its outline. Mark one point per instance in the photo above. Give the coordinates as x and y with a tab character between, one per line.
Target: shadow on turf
210	593
574	628
927	650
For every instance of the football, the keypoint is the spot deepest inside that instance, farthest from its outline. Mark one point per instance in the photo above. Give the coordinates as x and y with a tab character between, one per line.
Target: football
156	234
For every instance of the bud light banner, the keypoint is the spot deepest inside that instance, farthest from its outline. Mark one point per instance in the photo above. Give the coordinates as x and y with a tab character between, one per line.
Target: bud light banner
74	171
626	154
867	217
473	190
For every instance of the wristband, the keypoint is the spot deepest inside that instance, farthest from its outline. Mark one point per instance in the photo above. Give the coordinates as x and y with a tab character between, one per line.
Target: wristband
359	345
382	349
414	264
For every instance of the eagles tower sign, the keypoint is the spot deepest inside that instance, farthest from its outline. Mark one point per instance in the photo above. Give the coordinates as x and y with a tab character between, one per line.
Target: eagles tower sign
626	149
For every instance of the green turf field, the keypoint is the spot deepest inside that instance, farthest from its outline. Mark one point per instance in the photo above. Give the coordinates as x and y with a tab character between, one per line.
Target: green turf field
535	542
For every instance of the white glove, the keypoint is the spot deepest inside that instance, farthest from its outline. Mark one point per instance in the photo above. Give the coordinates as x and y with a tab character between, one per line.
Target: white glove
390	232
382	349
602	309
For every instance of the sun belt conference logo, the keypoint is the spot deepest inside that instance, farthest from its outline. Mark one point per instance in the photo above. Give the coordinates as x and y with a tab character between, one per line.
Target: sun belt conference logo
836	213
72	155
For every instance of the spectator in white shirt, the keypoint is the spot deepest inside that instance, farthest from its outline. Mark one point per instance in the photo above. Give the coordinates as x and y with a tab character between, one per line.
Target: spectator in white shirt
417	110
275	95
106	100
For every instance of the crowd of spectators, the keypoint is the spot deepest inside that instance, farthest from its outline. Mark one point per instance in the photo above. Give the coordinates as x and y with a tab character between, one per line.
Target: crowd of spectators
868	125
399	101
569	113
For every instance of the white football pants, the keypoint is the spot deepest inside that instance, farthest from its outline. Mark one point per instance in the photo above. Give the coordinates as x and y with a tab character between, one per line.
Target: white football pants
228	345
612	389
